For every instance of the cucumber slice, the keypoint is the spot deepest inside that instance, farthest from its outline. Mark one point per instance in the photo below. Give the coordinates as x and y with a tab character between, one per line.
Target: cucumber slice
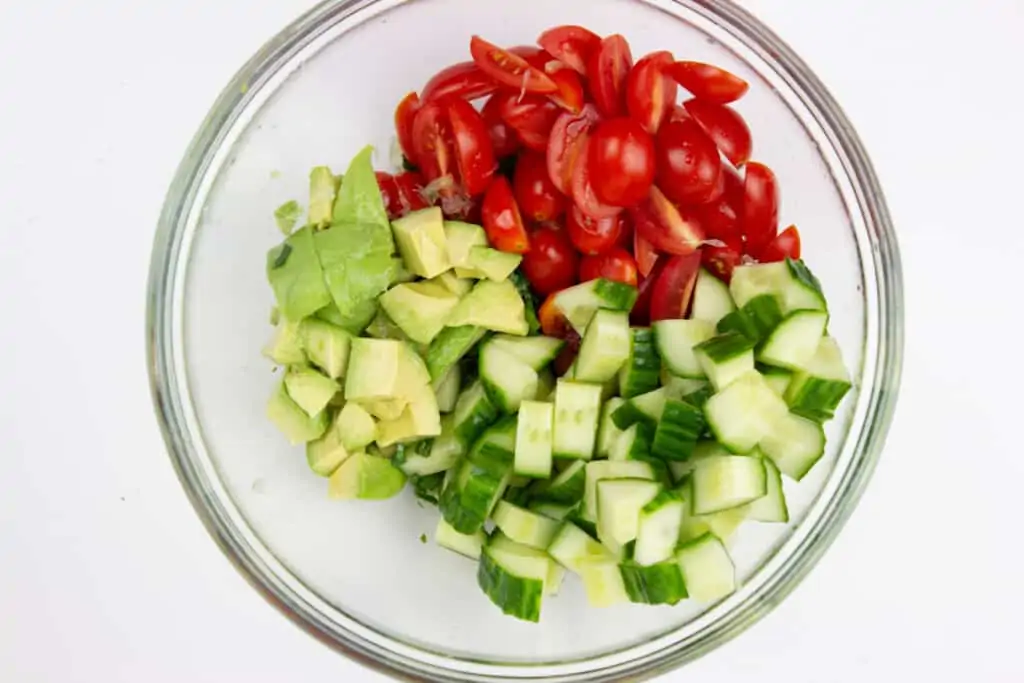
619	502
794	444
655	584
572	547
556	511
579	303
678	387
508	380
533	439
743	413
514	578
707	569
794	342
711	298
556	575
676	340
727	482
818	389
607	432
537	352
633	444
566	488
523	526
645	408
791	282
577	409
366	477
474	412
449	346
681	424
480	481
772	506
447	389
658	529
609	469
545	385
725	358
777	379
605	347
433	455
640	373
603	583
469	545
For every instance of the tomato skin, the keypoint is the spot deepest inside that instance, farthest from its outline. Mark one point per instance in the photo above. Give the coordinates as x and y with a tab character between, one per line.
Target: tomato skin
689	166
509	69
785	245
621	162
571	45
707	82
538	198
760	221
569	136
725	126
649	93
570	95
433	149
721	259
721	217
389	194
617	264
552	322
646	254
503	136
583	191
473	150
668	228
591	236
502	220
532	117
551	262
608	70
464	80
640	316
670	298
405	112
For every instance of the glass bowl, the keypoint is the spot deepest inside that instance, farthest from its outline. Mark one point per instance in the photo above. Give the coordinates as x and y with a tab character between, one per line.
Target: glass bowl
356	575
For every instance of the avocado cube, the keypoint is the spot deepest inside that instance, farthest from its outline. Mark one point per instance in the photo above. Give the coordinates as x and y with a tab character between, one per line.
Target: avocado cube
458	286
326	345
355	426
421	419
384	408
292	420
321	196
461	238
421	242
295	275
420	309
286	346
495	265
494	306
326	454
367	477
310	389
374	369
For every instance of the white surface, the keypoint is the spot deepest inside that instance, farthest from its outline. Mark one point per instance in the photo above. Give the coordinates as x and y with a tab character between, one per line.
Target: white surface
106	573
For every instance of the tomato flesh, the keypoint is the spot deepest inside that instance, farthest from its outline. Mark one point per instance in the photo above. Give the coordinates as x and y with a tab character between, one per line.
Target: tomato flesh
591	236
570	95
464	80
569	135
668	228
646	254
608	70
621	162
760	221
551	262
405	112
649	93
571	45
689	166
583	191
538	198
502	220
640	316
785	245
721	217
532	117
617	264
552	322
725	126
721	257
670	298
509	69
707	82
473	149
432	144
503	137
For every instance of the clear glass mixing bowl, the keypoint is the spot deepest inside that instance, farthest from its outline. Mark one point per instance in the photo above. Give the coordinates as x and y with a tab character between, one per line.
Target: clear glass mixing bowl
355	575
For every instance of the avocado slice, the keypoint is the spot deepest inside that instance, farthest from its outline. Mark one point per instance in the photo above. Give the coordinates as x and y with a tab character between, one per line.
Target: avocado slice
355	322
321	196
294	272
285	348
310	389
374	369
495	265
292	420
460	238
494	306
367	477
421	419
383	327
324	455
421	241
385	408
420	309
460	287
326	345
356	427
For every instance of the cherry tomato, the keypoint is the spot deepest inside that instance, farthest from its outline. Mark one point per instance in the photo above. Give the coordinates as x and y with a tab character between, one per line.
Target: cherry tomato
646	255
720	218
608	70
785	245
707	82
640	316
509	69
670	298
538	198
583	191
534	56
532	117
725	126
722	257
552	322
550	264
568	137
503	137
433	149
473	150
666	227
571	45
689	166
405	112
389	194
502	220
591	236
464	80
626	231
617	264
570	95
649	93
760	220
621	160
567	356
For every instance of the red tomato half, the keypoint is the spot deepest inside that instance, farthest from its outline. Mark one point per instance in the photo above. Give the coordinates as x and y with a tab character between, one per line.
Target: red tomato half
785	245
502	220
608	70
640	316
402	193
551	262
503	137
760	220
707	82
668	228
538	198
621	162
473	150
433	149
725	126
583	191
465	80
509	69
568	138
532	117
405	112
649	93
571	45
673	289
646	255
689	166
722	257
570	95
617	265
591	236
552	322
720	218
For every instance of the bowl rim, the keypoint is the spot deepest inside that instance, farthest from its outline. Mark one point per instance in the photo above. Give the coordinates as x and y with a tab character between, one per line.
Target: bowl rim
163	356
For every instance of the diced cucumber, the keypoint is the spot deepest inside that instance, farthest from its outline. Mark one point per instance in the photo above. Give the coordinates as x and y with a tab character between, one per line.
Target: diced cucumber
655	584
474	412
603	583
680	426
772	506
605	347
545	385
707	569
755	320
725	358
366	477
447	389
658	529
537	352
794	341
449	346
464	544
722	524
514	579
577	409
644	408
776	378
508	380
579	303
711	298
818	389
727	482
794	444
566	487
643	365
678	387
607	432
744	412
789	281
556	575
676	340
619	502
557	511
499	442
533	439
468	498
523	526
609	469
572	547
433	455
633	443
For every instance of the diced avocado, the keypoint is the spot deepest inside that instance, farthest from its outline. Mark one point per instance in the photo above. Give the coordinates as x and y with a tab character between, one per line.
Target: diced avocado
450	346
326	345
310	389
401	273
414	372
354	323
421	419
367	477
420	309
421	242
287	215
294	272
355	426
326	453
385	408
456	285
383	327
461	237
286	346
494	306
374	367
321	196
292	420
495	265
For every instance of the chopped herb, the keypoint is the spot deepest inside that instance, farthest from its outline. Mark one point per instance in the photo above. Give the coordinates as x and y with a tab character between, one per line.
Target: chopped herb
428	488
275	316
282	256
287	215
423	538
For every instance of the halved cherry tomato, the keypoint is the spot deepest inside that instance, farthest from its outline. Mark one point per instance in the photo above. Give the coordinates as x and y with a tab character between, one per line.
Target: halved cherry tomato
550	264
502	220
389	194
552	322
608	70
689	166
401	193
567	356
464	80
534	56
532	117
621	161
509	69
568	137
570	95
722	257
666	227
760	221
617	264
626	231
538	198
583	192
571	45
725	126
707	82
649	93
592	236
785	245
673	289
720	218
433	149
640	316
473	150
646	255
405	112
503	137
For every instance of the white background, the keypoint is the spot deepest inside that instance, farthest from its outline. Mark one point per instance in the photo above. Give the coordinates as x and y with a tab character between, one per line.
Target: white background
107	574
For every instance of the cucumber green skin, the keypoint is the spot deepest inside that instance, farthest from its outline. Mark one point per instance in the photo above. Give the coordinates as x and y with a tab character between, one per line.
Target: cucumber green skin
529	304
738	321
755	320
804	275
657	584
616	295
467	507
449	346
643	368
627	415
586	526
483	415
515	596
814	398
681	425
698	398
518	495
568	492
726	346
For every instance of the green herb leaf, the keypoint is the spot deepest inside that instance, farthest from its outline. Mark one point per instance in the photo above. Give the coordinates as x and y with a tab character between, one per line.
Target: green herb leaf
283	252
